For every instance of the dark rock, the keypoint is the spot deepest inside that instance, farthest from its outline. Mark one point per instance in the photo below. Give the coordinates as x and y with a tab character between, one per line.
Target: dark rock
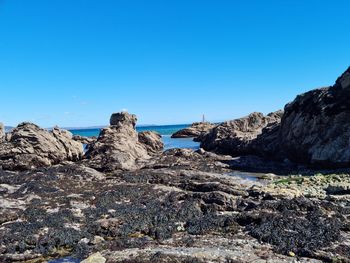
152	141
236	137
31	147
196	130
300	226
315	128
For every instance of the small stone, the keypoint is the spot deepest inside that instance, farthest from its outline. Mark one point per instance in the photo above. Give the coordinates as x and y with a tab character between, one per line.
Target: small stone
98	240
84	241
291	254
95	258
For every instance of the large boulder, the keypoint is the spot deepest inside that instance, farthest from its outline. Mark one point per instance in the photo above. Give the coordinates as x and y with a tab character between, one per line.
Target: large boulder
2	132
117	146
123	119
152	141
236	137
196	130
30	147
315	128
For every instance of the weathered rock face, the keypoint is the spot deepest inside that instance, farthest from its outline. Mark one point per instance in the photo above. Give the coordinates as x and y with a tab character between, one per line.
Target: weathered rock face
195	130
118	146
123	119
316	126
2	132
84	139
152	141
236	137
31	147
314	129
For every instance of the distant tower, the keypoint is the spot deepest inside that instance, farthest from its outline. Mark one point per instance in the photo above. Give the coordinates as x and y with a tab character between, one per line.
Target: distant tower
203	118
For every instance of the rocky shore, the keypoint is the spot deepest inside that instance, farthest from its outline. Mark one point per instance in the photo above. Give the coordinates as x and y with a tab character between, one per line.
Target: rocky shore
127	200
314	129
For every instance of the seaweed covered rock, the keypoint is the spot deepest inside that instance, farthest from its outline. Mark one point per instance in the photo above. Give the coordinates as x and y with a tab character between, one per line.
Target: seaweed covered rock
315	127
197	129
31	147
295	226
152	141
235	137
117	146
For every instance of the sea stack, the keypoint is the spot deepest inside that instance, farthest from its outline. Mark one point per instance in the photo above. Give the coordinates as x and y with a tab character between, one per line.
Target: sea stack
118	146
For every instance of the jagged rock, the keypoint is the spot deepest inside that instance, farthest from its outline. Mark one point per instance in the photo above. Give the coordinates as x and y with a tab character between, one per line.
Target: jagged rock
2	132
236	137
117	146
152	141
84	139
315	127
196	130
31	147
123	118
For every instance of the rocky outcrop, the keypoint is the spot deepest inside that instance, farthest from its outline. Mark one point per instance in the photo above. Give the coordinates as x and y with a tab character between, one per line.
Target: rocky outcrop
236	137
31	147
2	132
118	146
315	128
152	141
84	139
196	130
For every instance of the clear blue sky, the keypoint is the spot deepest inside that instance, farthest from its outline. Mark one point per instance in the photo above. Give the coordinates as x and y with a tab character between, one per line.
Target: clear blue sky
74	62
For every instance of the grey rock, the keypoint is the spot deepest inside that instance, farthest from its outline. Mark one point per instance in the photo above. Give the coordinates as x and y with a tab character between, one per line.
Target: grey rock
196	130
122	118
2	132
30	147
152	141
236	137
117	146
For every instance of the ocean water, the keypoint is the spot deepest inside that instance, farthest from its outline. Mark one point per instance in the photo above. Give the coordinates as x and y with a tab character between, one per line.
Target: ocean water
65	260
165	130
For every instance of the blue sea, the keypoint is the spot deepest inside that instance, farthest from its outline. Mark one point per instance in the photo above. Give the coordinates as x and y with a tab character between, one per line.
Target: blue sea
165	130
